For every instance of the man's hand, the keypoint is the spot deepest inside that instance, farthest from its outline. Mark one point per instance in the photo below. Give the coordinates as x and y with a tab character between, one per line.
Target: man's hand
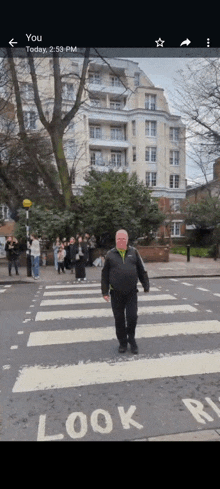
106	297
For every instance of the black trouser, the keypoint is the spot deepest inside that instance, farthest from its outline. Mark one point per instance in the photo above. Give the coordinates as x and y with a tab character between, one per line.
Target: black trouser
14	263
122	303
60	266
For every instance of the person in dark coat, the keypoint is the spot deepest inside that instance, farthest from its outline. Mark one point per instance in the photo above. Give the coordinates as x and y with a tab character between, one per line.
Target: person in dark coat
12	253
91	246
72	253
81	256
122	269
66	259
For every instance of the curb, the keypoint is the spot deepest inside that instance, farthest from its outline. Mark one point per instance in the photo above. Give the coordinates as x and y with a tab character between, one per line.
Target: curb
7	282
202	435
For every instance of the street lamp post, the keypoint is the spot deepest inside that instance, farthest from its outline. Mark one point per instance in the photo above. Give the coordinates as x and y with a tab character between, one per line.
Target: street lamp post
27	204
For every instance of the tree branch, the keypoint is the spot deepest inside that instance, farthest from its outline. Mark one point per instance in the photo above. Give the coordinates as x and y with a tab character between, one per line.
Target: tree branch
36	92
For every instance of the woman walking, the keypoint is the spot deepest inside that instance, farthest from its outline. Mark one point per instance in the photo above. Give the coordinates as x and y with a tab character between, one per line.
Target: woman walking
81	249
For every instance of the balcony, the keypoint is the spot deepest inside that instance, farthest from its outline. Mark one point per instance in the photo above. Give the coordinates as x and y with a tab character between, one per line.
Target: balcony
109	141
105	165
105	87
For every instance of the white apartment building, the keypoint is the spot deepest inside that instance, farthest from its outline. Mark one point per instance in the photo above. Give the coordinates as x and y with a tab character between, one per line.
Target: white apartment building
124	123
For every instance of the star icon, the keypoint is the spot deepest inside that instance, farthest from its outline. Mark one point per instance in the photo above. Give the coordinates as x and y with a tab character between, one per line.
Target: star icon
159	43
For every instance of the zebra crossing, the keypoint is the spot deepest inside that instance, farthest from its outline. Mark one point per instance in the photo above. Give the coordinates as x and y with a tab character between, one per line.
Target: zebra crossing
84	318
2	290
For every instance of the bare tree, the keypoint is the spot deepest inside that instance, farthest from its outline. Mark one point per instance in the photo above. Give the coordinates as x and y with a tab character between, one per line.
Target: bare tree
198	100
56	127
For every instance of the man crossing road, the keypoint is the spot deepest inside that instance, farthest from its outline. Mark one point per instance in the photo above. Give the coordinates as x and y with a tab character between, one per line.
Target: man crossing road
122	269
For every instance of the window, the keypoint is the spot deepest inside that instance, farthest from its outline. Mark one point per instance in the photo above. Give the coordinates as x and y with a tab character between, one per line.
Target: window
95	132
73	175
115	105
96	158
174	158
174	181
150	128
27	90
150	102
30	119
68	92
115	81
116	158
174	133
24	66
133	128
70	149
95	102
4	212
116	133
175	205
151	179
134	153
95	78
151	154
136	79
175	228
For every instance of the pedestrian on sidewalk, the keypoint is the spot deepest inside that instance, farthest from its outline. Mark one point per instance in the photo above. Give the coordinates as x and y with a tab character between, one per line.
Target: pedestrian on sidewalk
56	246
12	253
60	258
66	259
35	255
86	253
81	251
123	266
72	253
91	247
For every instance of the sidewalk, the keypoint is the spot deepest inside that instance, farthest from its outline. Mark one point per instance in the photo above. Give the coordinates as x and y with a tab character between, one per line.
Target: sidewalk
176	267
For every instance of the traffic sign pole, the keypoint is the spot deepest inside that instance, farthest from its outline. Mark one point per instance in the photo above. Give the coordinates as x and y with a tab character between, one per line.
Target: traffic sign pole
27	203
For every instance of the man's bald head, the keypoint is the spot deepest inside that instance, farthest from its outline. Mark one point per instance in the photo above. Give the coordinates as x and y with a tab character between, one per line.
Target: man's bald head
121	239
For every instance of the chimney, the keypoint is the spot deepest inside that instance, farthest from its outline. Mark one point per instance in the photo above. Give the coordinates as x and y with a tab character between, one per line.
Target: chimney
216	169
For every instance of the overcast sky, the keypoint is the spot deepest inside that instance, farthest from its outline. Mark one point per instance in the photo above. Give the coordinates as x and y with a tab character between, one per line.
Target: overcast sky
163	72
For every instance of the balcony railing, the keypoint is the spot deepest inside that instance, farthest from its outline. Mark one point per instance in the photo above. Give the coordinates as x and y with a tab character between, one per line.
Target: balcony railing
103	137
108	163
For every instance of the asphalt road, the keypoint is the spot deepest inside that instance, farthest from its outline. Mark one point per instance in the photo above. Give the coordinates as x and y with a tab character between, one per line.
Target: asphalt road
62	378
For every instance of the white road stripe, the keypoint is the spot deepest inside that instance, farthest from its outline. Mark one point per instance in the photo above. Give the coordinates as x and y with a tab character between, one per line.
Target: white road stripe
72	286
107	312
80	285
60	337
100	300
83	292
218	295
39	377
186	283
205	290
2	290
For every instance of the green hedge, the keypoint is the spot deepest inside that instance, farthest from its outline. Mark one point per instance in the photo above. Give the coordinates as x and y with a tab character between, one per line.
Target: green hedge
201	252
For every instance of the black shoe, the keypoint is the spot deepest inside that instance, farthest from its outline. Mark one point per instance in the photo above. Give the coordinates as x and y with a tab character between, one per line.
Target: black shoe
122	348
134	347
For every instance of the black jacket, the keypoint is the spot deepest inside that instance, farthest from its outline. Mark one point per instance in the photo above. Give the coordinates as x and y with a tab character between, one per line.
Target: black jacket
123	275
12	250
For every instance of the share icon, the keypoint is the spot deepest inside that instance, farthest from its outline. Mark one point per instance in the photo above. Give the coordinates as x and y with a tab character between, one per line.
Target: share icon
186	42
